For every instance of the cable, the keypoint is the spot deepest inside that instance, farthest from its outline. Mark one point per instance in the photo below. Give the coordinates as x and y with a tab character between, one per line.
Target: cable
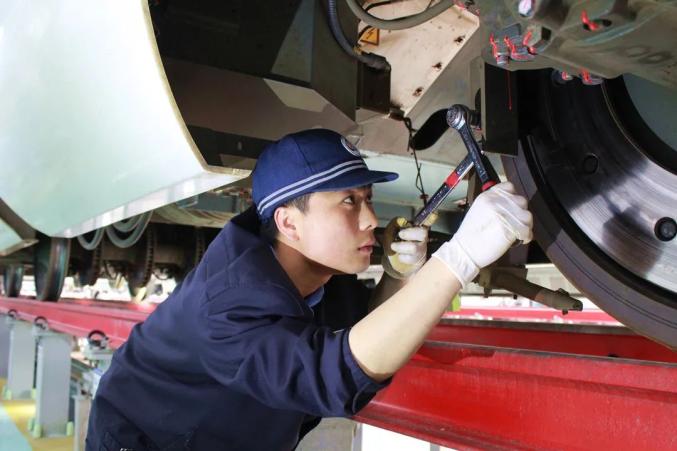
129	241
372	60
399	23
377	4
419	178
369	8
129	224
93	243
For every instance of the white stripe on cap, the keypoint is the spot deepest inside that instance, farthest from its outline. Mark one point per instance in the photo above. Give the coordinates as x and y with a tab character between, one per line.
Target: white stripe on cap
309	182
308	179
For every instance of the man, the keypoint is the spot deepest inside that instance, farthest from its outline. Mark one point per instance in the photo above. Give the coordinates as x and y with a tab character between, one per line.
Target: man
234	359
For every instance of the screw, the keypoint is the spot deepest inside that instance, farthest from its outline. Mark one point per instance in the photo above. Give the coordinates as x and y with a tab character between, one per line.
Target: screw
665	229
525	8
590	163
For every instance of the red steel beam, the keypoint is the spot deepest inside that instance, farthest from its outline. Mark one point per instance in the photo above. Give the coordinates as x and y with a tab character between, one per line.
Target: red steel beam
584	339
478	397
79	318
532	313
466	388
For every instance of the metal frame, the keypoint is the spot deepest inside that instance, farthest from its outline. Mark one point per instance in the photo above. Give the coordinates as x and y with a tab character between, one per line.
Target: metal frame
478	384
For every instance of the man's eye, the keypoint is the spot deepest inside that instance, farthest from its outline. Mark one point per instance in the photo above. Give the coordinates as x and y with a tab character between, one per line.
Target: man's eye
349	200
370	200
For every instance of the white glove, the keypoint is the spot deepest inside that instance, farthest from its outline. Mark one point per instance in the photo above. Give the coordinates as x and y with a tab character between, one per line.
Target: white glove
401	259
495	220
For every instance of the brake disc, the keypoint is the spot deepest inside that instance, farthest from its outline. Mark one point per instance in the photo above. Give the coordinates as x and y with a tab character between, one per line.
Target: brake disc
599	195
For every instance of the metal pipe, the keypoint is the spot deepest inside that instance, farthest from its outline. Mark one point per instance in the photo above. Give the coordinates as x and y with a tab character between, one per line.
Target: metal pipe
559	300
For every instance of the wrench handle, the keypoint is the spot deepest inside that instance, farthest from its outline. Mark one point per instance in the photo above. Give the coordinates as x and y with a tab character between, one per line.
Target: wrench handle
443	191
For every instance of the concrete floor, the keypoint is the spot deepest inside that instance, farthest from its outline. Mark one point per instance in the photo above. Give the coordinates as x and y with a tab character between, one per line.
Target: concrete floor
14	434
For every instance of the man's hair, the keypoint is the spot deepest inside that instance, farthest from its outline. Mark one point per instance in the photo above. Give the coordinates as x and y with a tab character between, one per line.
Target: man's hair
269	230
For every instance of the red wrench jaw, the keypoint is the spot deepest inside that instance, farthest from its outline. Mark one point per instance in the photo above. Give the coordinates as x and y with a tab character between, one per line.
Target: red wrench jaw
488	185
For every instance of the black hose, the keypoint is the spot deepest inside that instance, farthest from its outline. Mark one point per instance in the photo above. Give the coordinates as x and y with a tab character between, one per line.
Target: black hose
92	244
129	224
399	23
372	60
133	238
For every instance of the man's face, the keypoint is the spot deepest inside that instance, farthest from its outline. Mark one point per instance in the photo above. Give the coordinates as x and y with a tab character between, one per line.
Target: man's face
337	229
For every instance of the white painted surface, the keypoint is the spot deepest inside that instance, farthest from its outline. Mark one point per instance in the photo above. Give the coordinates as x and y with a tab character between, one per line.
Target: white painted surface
89	130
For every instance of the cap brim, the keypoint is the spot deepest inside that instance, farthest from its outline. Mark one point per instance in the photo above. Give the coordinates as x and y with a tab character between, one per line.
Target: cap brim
357	179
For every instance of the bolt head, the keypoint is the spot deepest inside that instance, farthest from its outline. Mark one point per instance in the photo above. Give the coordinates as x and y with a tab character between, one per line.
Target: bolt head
665	229
502	60
590	164
592	80
525	8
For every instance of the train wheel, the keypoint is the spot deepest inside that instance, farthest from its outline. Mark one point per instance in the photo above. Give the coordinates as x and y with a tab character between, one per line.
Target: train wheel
50	264
602	186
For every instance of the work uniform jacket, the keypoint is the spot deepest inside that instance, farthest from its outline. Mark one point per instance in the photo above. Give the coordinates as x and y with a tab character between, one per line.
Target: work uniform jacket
233	359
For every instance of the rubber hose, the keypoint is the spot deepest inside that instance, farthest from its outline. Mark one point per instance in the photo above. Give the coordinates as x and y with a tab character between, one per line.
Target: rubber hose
93	243
129	224
132	239
374	61
400	23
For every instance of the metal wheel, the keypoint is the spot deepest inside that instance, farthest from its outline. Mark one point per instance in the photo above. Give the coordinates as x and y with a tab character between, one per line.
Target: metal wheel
86	265
138	274
600	186
50	264
194	249
12	277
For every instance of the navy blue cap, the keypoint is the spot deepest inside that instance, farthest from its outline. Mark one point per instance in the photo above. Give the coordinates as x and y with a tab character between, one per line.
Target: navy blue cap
307	162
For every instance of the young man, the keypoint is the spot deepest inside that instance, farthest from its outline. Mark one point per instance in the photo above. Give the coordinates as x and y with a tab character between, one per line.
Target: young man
234	359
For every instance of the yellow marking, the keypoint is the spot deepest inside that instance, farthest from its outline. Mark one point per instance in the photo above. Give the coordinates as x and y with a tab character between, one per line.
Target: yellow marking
21	411
371	36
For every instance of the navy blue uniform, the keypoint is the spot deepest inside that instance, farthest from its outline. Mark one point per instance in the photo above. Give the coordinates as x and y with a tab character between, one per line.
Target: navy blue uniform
234	359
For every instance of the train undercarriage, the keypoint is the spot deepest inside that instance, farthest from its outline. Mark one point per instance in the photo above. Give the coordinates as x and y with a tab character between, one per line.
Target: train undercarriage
130	129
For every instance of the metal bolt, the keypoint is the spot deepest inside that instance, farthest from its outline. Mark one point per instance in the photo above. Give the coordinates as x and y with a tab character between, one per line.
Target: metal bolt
590	79
665	229
502	60
590	163
525	8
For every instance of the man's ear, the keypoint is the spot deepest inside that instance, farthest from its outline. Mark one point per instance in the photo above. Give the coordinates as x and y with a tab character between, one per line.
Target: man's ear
286	220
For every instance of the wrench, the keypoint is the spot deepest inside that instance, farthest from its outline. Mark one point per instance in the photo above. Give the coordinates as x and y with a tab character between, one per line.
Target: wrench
457	118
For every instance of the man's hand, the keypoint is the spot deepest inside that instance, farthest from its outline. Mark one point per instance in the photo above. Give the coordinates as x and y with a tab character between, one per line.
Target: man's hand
496	219
403	258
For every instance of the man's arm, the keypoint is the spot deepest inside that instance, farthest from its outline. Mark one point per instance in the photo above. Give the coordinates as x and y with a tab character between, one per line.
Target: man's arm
385	339
386	288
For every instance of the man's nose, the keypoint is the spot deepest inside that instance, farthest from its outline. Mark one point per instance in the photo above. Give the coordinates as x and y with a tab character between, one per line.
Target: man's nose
368	219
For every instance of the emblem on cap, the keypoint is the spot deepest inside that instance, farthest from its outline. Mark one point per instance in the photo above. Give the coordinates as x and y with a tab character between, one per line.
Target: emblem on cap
350	147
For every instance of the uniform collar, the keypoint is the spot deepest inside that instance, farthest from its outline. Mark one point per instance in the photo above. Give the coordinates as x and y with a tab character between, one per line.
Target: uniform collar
315	297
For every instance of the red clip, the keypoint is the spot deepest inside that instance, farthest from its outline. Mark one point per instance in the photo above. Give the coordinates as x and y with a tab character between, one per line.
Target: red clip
510	45
590	24
494	46
488	185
